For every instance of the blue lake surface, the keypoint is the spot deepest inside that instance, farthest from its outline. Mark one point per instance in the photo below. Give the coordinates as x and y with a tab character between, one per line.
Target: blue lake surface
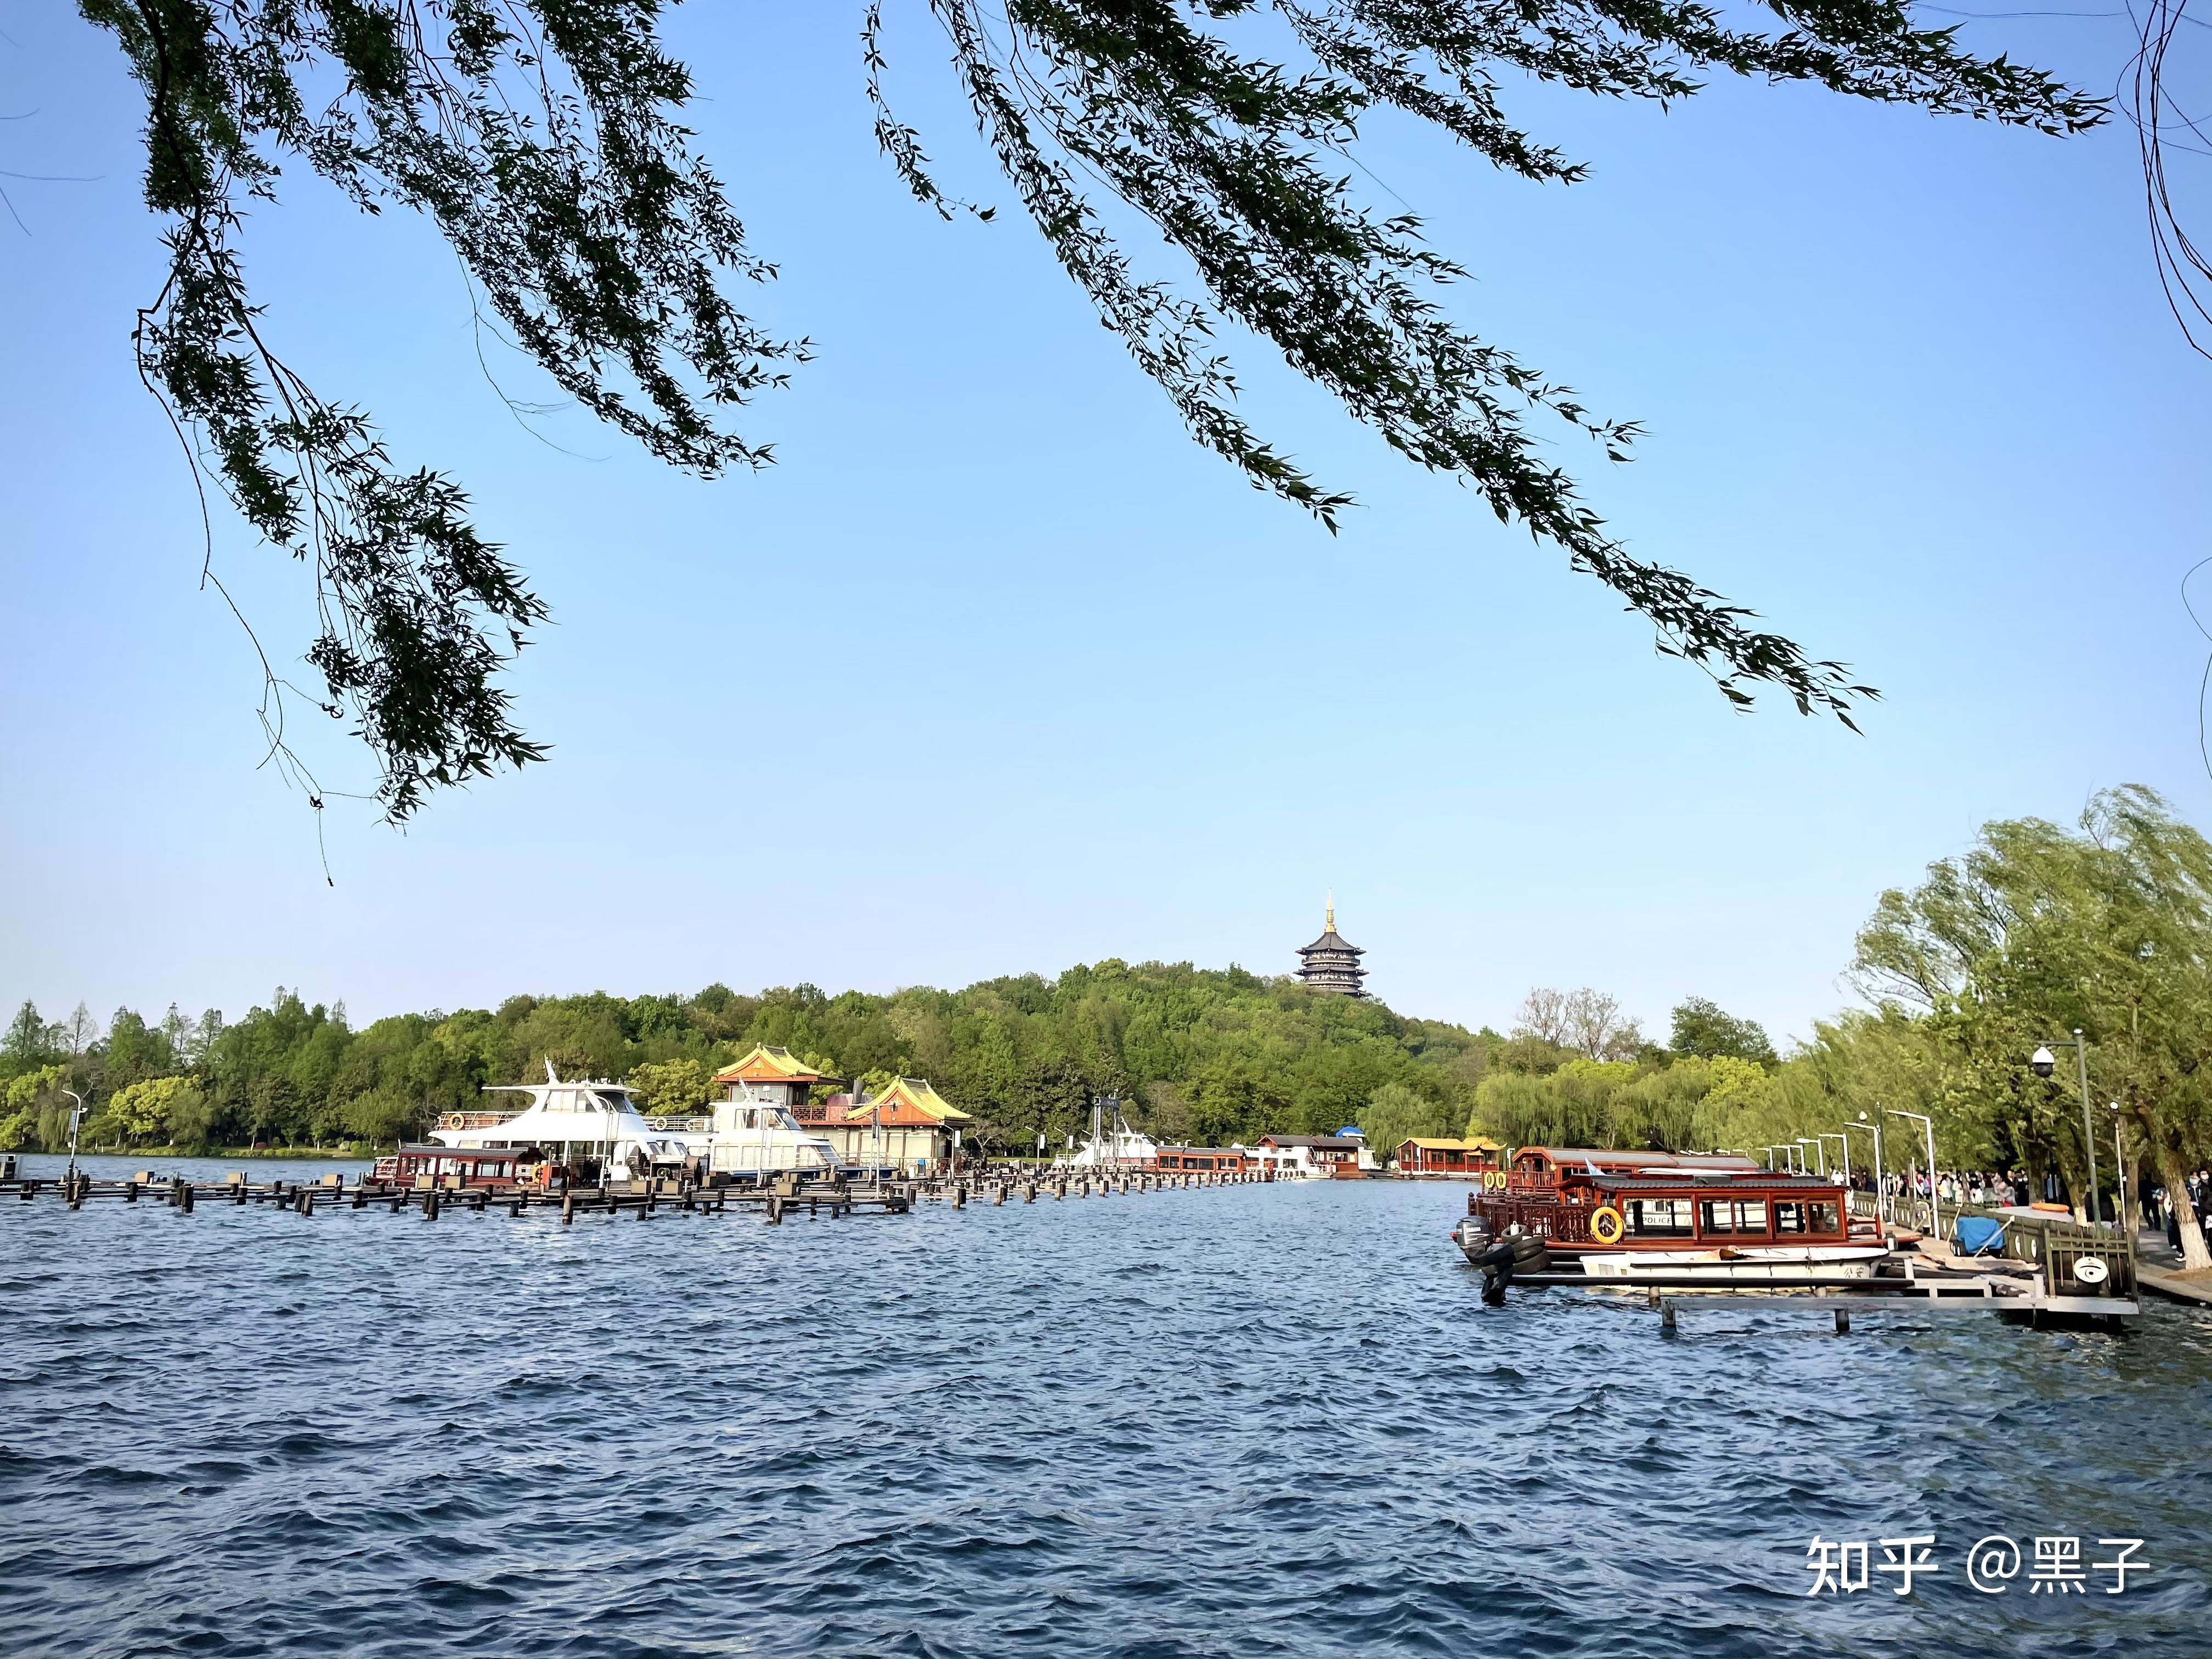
1246	1421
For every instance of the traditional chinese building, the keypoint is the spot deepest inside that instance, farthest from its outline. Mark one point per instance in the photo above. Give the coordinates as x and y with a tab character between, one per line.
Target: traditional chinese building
1331	962
910	1125
773	1075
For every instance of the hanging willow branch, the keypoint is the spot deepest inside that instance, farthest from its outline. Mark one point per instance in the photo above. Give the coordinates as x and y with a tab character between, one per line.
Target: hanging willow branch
1231	157
539	136
536	138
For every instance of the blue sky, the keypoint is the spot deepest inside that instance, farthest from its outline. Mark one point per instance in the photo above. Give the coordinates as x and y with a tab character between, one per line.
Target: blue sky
996	672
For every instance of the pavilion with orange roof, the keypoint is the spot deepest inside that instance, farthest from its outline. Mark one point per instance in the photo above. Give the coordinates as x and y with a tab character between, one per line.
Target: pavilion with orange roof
774	1075
910	1125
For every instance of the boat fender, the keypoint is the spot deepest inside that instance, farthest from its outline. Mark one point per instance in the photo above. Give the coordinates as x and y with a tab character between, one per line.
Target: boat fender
1606	1226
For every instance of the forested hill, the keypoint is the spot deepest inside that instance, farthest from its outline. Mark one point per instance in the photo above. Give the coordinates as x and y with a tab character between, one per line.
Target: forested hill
1197	1055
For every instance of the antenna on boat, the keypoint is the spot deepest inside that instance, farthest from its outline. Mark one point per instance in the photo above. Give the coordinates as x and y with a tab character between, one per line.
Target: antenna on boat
551	1075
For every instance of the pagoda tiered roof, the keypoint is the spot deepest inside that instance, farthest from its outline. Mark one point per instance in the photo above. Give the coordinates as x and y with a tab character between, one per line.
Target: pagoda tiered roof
1331	962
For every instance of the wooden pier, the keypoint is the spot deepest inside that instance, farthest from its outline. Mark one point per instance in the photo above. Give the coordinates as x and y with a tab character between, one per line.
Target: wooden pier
1938	1291
772	1202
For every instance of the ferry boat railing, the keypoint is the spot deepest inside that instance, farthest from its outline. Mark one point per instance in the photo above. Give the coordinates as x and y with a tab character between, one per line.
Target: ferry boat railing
1546	1217
474	1119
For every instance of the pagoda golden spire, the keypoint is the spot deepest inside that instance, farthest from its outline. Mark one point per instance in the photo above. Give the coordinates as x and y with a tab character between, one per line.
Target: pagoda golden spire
1329	915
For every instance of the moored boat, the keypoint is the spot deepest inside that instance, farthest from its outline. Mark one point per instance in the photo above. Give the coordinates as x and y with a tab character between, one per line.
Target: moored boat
1615	1215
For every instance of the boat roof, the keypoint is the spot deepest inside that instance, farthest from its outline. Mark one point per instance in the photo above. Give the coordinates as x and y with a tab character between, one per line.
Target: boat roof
431	1148
1658	1160
596	1111
1716	1181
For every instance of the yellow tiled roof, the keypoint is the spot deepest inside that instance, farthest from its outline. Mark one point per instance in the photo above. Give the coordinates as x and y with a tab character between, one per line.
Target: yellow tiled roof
915	1094
767	1065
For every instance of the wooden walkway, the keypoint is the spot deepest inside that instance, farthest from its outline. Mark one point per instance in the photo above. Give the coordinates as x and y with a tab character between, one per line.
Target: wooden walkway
2157	1265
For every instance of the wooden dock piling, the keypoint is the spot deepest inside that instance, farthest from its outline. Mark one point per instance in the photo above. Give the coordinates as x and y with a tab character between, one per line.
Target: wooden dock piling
773	1200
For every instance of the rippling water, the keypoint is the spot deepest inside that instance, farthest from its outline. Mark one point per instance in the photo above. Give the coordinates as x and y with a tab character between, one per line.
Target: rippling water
1249	1421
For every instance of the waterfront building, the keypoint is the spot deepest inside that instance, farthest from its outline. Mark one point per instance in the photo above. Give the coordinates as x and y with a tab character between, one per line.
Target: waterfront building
1423	1155
1289	1156
910	1125
1217	1160
1331	963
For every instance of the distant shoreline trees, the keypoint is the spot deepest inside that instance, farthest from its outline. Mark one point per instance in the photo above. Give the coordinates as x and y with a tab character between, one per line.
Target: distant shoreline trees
2036	931
1194	1054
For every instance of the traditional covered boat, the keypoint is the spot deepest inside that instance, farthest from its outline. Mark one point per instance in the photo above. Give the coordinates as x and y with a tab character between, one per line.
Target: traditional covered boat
1612	1214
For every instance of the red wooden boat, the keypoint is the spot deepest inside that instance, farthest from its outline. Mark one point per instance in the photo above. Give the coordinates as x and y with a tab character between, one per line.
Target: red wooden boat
470	1167
1718	1216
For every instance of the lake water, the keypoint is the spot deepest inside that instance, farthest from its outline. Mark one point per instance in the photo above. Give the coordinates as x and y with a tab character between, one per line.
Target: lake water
1243	1422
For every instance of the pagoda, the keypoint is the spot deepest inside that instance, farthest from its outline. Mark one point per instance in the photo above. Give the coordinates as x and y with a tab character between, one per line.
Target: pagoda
1331	963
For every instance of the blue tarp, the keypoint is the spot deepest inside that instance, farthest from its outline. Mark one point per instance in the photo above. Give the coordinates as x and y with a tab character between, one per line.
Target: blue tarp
1978	1233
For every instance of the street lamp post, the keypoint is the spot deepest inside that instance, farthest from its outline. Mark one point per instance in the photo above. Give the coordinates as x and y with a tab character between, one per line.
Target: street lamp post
1805	1140
2043	1062
76	1116
1934	1214
1844	1144
2120	1168
1867	1126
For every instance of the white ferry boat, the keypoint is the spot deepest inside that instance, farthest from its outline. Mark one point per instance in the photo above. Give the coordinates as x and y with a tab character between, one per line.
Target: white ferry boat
590	1126
587	1126
753	1137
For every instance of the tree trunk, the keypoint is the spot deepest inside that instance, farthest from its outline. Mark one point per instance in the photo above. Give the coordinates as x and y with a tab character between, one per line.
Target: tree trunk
2176	1179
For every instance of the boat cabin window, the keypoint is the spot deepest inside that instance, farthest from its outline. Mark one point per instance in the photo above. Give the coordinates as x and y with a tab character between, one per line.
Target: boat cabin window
1793	1217
1732	1215
1658	1217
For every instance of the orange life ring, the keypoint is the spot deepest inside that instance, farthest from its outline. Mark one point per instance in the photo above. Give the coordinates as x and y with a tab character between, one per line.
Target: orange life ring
1606	1226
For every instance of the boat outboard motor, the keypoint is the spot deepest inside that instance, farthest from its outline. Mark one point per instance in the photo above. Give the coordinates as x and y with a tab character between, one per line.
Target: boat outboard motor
1497	1265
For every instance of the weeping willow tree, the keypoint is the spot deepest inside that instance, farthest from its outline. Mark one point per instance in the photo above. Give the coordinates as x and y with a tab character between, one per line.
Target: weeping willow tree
544	139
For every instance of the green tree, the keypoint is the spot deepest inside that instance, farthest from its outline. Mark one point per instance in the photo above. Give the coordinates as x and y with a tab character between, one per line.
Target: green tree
1397	1113
153	1110
2039	930
29	1097
1702	1027
543	140
29	1044
670	1088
